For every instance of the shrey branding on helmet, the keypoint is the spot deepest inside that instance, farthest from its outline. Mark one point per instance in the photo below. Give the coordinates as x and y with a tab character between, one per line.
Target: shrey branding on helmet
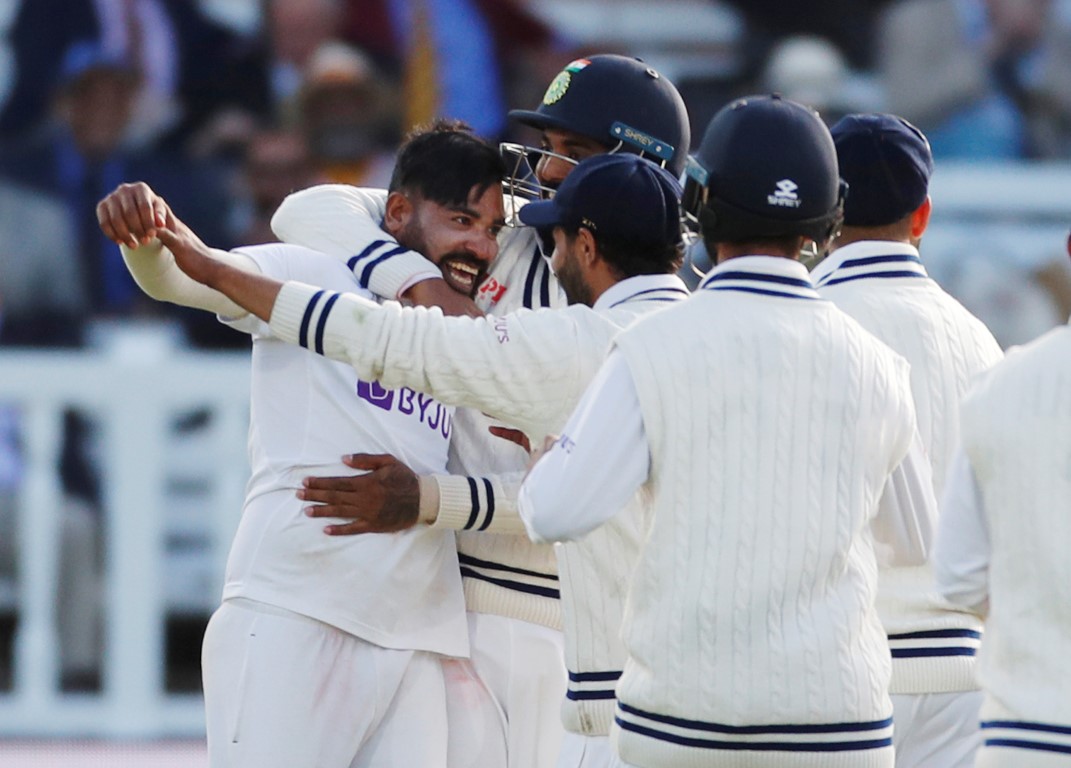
560	84
643	141
785	195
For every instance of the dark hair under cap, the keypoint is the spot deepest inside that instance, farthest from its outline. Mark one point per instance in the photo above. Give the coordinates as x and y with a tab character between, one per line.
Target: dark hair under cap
887	164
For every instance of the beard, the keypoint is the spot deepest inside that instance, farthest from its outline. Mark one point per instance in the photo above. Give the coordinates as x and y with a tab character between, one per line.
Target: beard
577	291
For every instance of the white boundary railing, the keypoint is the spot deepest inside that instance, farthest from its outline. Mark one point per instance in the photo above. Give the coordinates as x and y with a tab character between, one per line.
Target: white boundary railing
133	394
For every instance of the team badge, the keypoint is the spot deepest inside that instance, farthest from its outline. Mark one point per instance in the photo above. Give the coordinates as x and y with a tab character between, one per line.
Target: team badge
560	84
557	88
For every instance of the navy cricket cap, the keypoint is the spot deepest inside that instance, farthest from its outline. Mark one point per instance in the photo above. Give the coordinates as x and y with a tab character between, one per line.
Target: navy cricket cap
887	164
618	196
86	56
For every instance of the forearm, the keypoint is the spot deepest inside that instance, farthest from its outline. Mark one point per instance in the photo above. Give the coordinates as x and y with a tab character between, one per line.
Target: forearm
344	222
906	523
253	292
462	503
526	370
595	468
961	555
154	270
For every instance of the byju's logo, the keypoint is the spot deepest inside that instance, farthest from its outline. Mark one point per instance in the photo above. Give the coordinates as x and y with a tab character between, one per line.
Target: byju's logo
430	412
785	195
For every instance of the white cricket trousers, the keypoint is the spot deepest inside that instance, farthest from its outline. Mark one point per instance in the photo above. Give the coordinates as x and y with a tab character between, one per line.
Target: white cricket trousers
580	751
936	729
522	666
286	691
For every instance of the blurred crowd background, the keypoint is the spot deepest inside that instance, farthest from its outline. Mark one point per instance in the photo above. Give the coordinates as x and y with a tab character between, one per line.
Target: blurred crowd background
225	106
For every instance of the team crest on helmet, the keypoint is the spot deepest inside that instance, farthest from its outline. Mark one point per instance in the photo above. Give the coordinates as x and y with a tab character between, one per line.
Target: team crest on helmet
557	88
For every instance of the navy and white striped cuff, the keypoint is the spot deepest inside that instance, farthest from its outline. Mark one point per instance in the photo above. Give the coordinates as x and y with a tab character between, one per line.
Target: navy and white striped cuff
817	737
364	263
1030	736
509	577
935	643
588	686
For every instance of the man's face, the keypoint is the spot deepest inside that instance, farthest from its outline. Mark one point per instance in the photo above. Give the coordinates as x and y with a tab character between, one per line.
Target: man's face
566	267
551	171
461	240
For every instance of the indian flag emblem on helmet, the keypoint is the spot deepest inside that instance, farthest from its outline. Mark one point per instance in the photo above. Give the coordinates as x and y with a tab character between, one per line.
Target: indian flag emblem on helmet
576	66
557	88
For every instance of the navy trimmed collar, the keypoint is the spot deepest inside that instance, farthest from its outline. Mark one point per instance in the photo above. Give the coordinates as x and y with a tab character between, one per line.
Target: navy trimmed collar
664	287
869	259
763	275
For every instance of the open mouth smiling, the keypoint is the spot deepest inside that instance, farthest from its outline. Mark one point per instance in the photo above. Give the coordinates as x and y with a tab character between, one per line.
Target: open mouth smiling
461	274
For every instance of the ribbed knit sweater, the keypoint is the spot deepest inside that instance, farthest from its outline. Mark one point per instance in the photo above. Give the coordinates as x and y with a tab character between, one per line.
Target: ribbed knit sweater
885	287
773	421
1017	436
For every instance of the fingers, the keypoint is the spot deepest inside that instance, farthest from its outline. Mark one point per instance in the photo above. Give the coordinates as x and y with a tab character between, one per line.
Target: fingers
349	529
349	485
354	526
345	512
169	239
513	435
128	216
369	461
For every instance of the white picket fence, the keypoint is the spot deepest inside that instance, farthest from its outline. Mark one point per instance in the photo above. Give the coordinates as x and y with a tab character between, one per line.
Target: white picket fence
134	393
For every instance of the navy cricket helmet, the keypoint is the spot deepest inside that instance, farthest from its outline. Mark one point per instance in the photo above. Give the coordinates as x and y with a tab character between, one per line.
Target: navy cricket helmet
616	100
766	168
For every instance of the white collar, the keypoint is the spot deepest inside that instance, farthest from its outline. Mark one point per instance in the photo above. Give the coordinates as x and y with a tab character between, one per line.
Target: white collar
864	249
664	287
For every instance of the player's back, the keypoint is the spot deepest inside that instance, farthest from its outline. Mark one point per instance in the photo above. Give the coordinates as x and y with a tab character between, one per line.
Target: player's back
945	344
1015	433
307	412
773	420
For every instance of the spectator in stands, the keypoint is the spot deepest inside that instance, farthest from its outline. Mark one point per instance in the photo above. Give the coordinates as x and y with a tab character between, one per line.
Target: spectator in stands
296	29
982	78
275	163
86	152
349	116
510	54
815	72
193	69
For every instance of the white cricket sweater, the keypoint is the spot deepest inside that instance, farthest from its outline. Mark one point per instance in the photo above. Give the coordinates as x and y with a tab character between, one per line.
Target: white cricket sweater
506	575
527	369
774	421
885	287
1016	435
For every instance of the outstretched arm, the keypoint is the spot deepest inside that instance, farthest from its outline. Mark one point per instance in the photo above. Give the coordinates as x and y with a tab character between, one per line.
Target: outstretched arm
131	216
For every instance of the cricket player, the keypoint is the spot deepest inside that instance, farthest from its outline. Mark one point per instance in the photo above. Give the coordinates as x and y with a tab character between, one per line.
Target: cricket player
1002	546
874	273
325	651
600	104
774	436
616	229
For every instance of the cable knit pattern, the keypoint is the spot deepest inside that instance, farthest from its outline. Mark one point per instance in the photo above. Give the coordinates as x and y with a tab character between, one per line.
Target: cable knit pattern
947	348
773	422
1017	437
